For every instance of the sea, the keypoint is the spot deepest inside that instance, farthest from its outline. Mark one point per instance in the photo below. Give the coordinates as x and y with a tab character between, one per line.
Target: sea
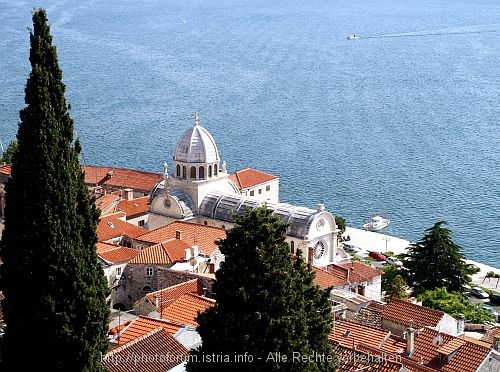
403	121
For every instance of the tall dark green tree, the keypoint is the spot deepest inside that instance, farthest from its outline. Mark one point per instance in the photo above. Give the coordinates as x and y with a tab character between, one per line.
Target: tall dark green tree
436	261
55	292
268	308
9	152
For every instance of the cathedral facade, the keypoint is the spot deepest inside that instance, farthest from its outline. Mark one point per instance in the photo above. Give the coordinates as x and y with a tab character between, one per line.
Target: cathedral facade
197	188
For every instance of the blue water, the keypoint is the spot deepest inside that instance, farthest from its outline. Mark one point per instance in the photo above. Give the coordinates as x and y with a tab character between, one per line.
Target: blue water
404	121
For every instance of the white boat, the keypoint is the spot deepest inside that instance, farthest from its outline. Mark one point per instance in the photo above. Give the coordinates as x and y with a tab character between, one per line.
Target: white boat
376	223
353	37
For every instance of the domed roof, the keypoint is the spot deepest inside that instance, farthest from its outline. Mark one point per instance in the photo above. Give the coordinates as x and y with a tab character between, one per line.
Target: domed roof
196	145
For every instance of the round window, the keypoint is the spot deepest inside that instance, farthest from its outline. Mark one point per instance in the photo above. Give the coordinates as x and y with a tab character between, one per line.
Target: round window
319	250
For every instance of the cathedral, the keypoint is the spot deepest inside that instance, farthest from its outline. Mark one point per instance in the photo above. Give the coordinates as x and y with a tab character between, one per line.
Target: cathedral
197	188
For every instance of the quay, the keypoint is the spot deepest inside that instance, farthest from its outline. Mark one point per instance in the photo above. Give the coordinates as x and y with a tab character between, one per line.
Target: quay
375	241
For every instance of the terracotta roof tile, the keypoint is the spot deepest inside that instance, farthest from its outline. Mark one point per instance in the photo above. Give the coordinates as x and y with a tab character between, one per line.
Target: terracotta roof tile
142	326
326	279
113	226
186	308
162	254
134	207
107	203
103	247
402	312
143	354
358	359
121	177
249	177
6	169
490	334
354	272
118	254
202	235
168	295
346	333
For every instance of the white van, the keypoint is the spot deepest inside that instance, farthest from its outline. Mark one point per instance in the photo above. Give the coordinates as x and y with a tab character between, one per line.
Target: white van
350	247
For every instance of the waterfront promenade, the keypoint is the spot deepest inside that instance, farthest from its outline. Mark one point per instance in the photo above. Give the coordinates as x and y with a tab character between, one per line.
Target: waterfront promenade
373	241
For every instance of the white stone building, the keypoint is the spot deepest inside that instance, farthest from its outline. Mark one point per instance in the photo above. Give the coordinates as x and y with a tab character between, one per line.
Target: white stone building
200	190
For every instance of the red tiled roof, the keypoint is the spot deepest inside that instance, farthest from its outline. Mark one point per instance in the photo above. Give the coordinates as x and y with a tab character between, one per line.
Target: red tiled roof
354	272
144	354
202	235
249	177
103	247
326	279
162	254
402	312
168	295
143	325
1	299
346	333
134	207
107	203
358	359
186	308
490	334
468	356
6	169
112	226
118	254
121	177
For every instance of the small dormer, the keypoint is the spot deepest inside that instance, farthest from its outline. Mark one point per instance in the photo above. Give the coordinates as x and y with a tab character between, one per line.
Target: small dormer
449	349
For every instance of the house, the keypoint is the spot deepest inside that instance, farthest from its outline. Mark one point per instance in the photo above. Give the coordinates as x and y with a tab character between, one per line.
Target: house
258	184
359	278
113	229
136	209
104	180
397	316
156	351
186	308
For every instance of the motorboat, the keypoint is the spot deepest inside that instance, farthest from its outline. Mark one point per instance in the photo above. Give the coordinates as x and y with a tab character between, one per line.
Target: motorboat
376	223
353	37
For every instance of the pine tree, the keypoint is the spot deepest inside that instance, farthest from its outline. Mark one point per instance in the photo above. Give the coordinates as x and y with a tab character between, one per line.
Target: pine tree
55	306
267	308
436	261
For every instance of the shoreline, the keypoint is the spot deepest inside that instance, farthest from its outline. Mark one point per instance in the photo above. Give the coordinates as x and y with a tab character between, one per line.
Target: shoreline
376	241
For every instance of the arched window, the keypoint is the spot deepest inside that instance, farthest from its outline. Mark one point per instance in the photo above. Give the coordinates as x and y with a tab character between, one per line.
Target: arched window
292	247
215	169
147	289
184	171
209	171
192	173
201	173
178	170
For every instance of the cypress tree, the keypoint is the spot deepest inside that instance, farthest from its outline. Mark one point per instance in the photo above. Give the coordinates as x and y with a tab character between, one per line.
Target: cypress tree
55	306
268	314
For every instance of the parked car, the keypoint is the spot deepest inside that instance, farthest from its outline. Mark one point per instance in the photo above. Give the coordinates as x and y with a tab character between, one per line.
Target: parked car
394	261
349	247
377	256
478	292
491	310
495	298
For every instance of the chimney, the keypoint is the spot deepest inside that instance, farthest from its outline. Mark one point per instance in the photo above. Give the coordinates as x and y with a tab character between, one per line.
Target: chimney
178	234
461	324
187	255
496	342
196	251
128	194
157	301
410	340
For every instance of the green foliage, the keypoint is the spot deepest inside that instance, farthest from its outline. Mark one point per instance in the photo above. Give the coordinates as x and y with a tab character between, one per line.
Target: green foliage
454	304
388	276
9	152
54	287
341	224
436	261
267	304
397	289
